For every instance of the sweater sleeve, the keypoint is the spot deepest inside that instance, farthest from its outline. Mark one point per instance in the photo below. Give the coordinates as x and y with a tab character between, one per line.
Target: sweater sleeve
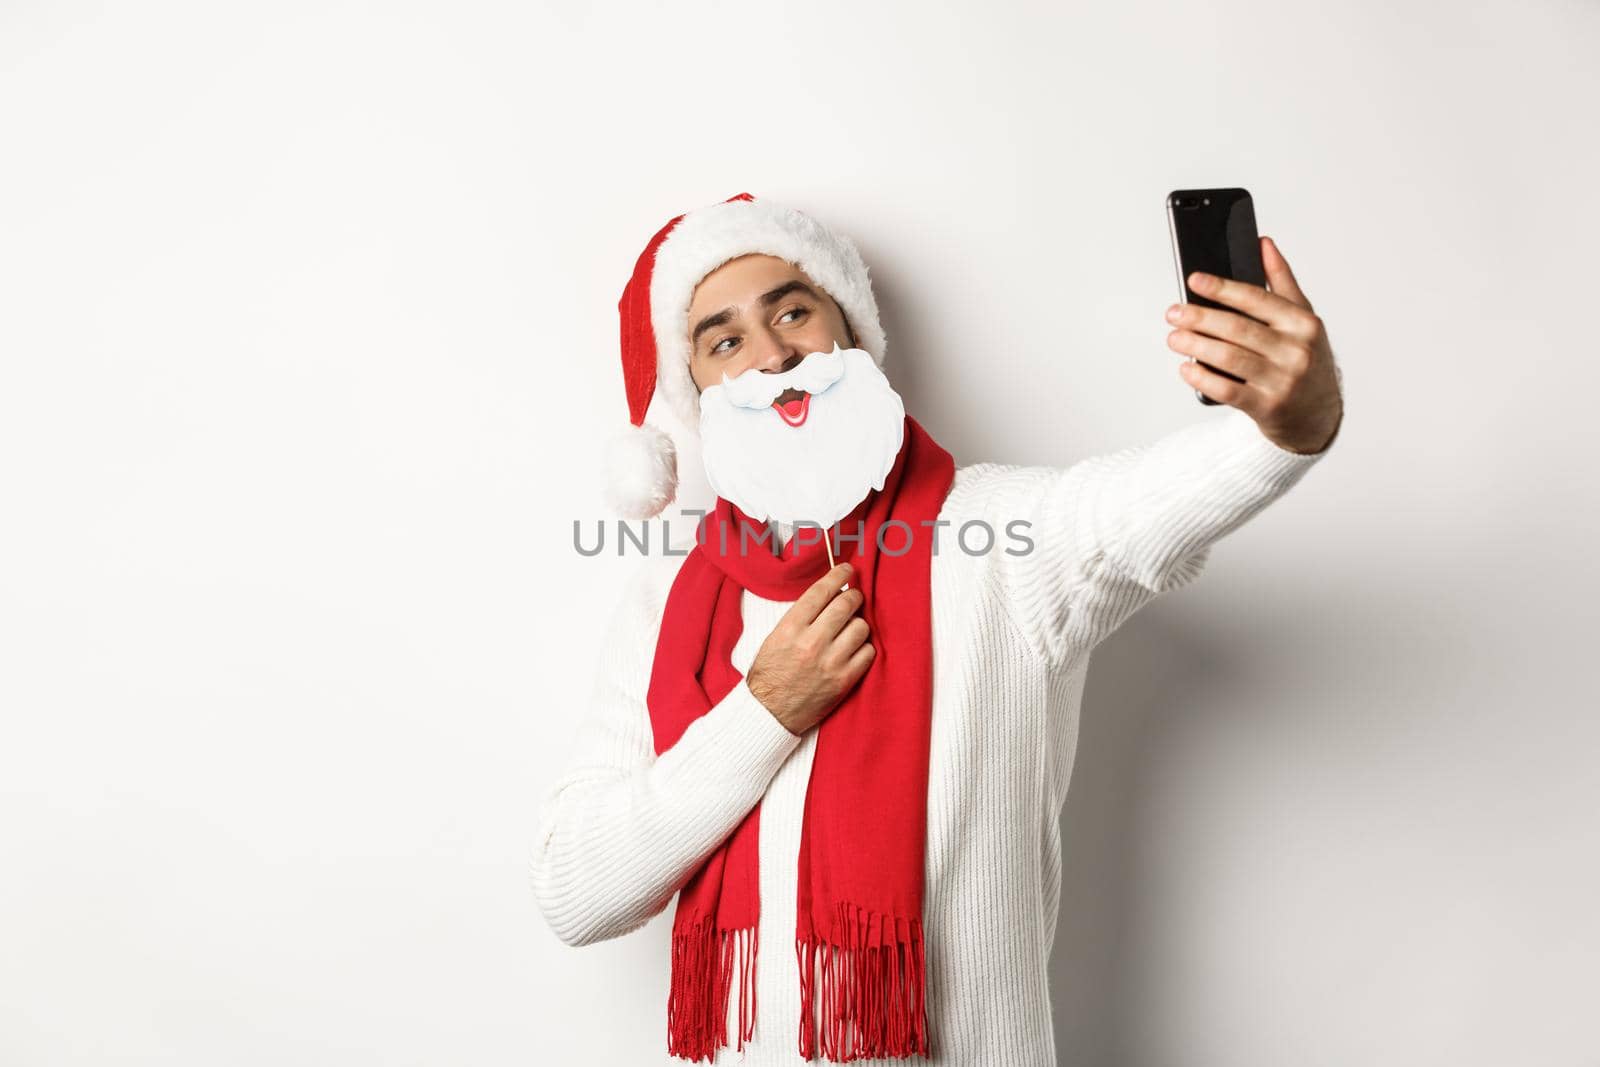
622	830
1111	532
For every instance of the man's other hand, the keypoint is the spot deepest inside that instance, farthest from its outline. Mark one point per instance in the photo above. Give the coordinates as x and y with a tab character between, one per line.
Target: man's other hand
1291	385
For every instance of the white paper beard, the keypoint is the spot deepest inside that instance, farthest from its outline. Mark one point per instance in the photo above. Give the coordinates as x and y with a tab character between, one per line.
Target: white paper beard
818	471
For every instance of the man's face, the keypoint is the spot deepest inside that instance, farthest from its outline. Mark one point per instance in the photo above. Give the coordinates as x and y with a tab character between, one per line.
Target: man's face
759	312
796	423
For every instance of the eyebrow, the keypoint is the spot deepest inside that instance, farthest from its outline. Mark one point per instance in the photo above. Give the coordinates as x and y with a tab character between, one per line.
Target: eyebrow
768	298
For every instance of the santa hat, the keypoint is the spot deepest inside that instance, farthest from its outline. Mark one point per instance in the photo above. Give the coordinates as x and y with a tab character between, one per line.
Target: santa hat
642	463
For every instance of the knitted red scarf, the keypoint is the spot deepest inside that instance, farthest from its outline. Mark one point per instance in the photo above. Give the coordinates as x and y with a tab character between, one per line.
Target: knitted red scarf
863	841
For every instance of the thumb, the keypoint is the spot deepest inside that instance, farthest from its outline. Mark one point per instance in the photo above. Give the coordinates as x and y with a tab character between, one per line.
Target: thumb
1280	279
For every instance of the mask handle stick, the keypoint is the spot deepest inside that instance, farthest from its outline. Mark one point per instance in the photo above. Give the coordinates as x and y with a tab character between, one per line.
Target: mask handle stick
831	563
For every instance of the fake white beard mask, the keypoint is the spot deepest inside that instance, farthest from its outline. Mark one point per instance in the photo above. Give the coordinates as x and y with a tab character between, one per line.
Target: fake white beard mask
816	460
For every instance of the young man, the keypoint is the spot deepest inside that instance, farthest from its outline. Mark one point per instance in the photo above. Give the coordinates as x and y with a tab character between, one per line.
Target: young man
865	762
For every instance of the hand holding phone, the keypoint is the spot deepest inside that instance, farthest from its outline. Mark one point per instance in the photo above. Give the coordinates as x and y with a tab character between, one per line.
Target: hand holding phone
1214	230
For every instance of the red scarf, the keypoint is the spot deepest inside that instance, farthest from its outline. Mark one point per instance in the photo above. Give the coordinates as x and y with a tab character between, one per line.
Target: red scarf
863	841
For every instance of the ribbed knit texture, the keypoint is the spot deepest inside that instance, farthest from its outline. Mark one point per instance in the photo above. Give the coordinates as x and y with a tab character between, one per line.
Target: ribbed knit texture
622	830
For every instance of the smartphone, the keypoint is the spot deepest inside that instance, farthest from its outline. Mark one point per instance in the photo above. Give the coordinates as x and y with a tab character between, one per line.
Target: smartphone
1214	230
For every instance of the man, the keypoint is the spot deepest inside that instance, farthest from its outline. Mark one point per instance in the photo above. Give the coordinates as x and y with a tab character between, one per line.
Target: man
867	760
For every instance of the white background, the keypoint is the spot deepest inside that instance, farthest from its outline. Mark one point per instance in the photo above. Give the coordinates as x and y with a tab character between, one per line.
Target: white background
309	338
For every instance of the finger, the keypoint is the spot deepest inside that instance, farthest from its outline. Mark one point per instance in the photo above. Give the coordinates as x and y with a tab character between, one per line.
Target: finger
1242	395
1242	330
1270	308
861	661
1279	276
1251	366
850	638
809	604
832	618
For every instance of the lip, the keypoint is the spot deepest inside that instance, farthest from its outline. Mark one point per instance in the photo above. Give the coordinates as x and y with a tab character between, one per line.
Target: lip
795	411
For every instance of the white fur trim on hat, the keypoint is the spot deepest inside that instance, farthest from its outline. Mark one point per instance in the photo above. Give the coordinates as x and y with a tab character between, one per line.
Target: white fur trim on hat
708	237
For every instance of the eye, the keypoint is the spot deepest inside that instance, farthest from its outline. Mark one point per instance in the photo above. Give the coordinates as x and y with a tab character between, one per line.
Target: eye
802	311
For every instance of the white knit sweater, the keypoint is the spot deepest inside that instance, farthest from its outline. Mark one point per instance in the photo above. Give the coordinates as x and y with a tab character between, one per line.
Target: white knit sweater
623	829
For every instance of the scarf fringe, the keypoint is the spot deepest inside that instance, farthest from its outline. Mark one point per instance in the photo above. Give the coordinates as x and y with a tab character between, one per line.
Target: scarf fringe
871	988
702	976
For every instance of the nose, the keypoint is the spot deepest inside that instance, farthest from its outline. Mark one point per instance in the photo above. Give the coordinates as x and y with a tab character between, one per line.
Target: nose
773	355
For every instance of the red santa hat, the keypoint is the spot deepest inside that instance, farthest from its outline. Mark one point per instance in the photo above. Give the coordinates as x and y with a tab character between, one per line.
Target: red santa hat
642	464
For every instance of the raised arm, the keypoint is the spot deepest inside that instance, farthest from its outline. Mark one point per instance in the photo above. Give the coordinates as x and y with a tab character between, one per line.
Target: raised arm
1111	532
622	830
1116	530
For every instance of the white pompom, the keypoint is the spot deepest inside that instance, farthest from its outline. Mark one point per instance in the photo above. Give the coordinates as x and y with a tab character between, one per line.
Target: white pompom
641	472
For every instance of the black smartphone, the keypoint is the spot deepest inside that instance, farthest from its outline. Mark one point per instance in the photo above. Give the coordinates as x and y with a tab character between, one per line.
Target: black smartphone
1214	230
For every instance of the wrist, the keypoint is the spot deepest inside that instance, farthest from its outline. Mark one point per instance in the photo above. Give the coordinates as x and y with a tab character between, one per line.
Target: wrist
768	700
1307	444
